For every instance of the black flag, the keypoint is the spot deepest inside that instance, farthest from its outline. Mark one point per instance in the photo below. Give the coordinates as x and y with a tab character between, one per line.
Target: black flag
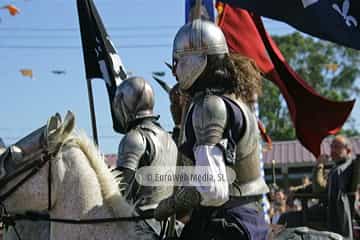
100	56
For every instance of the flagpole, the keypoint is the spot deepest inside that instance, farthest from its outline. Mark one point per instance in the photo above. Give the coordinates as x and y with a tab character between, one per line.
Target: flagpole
264	201
92	111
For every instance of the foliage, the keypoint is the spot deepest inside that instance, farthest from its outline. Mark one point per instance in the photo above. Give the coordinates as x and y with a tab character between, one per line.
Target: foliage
330	69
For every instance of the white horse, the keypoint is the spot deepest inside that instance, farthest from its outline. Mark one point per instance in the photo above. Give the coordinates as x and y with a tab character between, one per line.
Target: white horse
82	187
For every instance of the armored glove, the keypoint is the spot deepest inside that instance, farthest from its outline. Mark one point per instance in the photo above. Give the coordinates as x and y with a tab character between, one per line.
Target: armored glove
182	201
165	209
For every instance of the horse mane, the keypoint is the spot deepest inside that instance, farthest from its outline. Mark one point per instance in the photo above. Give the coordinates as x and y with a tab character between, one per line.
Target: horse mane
109	187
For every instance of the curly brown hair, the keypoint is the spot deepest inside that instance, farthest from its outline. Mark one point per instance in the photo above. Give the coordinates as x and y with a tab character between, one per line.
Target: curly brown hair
230	74
248	77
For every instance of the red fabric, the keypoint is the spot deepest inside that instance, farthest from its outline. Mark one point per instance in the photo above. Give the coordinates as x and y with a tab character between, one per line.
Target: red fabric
313	116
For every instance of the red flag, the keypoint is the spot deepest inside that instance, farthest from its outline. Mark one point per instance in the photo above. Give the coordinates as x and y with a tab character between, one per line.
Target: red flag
314	117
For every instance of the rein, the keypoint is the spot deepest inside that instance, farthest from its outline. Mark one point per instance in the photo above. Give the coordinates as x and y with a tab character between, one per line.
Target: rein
10	220
36	216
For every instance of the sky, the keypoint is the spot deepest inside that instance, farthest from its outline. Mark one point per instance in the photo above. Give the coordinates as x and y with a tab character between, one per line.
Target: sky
45	36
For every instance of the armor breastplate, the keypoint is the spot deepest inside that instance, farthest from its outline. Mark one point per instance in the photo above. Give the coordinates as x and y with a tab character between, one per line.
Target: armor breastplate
247	164
163	152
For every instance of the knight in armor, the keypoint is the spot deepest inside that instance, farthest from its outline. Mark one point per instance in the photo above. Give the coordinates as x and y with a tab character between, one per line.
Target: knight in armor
145	143
220	131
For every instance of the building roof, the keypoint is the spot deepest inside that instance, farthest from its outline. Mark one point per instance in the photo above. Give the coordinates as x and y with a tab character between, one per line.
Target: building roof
292	152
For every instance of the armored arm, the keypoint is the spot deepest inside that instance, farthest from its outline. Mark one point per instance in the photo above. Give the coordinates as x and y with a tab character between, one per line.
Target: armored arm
132	147
209	121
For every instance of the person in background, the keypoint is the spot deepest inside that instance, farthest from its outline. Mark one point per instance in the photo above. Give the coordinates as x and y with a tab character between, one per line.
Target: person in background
278	205
337	184
305	185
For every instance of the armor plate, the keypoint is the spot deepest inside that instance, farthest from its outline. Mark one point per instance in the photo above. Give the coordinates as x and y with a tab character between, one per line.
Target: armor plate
209	119
247	165
210	128
158	149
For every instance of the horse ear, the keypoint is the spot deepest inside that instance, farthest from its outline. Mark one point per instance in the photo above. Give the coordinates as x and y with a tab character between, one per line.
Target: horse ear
53	126
69	124
53	122
57	131
53	130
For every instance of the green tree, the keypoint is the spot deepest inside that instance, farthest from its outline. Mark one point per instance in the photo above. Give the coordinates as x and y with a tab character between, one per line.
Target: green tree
329	68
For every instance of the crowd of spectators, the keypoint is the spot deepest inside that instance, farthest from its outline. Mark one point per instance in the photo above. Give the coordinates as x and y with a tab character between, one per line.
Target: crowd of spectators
282	201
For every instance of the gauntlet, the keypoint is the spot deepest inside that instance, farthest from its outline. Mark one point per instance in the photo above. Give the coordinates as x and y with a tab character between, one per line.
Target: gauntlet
183	200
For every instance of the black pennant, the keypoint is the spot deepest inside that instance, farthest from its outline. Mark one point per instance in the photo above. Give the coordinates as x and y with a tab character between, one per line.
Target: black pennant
100	56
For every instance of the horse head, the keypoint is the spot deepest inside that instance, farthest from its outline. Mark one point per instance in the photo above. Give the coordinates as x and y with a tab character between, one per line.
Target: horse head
24	166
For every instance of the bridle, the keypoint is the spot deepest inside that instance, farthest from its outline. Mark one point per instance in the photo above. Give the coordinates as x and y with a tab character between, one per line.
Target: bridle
32	167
